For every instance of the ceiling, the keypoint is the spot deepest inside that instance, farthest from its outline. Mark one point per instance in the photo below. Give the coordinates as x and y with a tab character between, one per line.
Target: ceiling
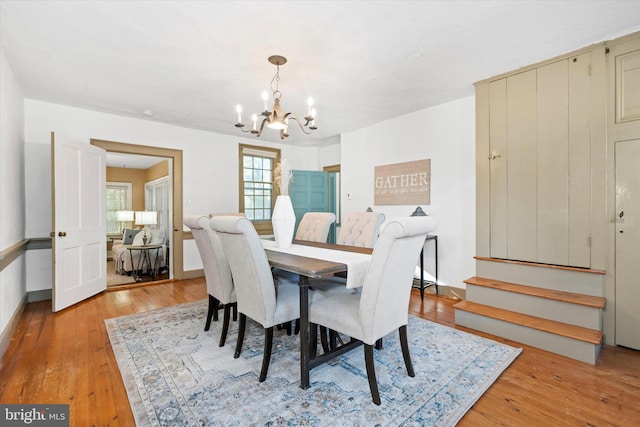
189	63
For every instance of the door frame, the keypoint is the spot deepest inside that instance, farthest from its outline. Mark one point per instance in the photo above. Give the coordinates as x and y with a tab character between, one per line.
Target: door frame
176	251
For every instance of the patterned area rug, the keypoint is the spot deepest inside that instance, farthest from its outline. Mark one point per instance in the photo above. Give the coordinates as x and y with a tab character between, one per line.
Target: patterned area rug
176	375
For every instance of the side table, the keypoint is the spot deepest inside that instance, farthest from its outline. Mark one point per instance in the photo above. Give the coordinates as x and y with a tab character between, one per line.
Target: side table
144	265
429	282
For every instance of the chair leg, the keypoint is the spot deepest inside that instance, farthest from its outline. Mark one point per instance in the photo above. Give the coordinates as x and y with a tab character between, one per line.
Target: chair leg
241	325
216	308
266	356
323	339
212	312
379	344
405	350
371	373
225	323
235	312
287	326
313	340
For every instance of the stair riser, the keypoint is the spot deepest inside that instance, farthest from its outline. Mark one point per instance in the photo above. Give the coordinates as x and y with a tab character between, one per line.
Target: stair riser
579	315
575	349
547	278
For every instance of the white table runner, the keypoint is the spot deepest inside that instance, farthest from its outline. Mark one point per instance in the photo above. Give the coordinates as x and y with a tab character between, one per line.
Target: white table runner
357	263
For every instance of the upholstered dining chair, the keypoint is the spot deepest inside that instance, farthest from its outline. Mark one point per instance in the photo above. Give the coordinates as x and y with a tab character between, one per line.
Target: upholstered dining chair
255	284
382	306
360	229
216	272
314	226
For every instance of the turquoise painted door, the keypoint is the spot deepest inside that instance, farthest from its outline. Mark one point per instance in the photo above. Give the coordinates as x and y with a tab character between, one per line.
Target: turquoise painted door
308	192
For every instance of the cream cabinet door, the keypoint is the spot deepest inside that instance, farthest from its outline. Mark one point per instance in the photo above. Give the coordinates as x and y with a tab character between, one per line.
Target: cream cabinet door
539	131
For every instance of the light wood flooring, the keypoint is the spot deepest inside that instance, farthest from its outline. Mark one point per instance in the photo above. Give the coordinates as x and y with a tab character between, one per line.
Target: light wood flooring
66	358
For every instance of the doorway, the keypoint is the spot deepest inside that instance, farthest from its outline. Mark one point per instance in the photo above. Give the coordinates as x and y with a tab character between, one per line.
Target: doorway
175	238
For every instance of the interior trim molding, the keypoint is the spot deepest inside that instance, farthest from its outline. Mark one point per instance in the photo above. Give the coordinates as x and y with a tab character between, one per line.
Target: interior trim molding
12	252
41	295
40	243
12	325
194	274
177	248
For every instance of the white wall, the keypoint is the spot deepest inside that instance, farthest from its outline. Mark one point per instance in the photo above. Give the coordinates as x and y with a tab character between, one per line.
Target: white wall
12	206
446	135
210	163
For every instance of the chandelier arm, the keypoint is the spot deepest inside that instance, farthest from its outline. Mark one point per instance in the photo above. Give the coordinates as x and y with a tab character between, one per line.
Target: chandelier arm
241	127
286	116
258	133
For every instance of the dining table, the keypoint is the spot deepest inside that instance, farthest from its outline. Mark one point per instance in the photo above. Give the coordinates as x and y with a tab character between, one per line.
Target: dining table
313	260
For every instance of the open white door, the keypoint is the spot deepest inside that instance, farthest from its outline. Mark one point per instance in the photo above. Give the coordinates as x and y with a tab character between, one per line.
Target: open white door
79	221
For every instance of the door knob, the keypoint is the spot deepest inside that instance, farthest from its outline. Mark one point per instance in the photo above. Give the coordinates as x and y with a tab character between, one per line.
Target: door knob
62	233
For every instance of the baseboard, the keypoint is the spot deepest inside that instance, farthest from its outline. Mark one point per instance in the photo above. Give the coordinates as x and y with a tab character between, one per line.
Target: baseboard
12	325
444	290
43	295
192	274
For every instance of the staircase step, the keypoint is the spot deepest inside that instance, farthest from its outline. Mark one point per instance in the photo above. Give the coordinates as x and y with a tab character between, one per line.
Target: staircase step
590	336
568	297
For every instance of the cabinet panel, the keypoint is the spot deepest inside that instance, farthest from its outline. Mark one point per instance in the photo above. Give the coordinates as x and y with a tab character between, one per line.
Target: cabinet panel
498	167
522	166
627	84
553	161
579	161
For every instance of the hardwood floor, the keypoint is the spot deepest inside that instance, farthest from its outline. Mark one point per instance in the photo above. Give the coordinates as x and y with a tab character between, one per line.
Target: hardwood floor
66	358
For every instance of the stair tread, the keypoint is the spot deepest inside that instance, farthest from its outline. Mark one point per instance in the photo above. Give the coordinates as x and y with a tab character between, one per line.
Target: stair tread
546	325
564	296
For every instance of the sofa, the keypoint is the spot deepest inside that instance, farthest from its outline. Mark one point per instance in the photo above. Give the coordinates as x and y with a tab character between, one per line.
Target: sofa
122	259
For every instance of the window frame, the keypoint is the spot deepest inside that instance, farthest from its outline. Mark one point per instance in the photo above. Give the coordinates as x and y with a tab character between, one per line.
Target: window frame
262	227
128	202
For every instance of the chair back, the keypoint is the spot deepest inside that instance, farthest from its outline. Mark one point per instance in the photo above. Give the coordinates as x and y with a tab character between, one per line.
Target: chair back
250	268
217	273
387	285
314	226
360	229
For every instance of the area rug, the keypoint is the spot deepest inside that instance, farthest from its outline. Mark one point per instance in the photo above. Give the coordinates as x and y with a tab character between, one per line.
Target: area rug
176	375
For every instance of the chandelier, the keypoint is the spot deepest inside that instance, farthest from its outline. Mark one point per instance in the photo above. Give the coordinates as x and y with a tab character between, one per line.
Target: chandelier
275	119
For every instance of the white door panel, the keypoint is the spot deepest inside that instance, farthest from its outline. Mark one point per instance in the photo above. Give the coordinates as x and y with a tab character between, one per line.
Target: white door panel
628	244
79	221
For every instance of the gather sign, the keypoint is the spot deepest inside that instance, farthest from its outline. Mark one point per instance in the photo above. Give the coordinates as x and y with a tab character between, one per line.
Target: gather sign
403	183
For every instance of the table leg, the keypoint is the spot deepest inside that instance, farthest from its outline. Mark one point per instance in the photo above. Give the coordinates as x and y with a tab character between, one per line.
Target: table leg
304	332
422	274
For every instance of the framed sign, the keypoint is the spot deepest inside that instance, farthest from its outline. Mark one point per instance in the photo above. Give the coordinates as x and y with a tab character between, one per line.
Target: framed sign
403	183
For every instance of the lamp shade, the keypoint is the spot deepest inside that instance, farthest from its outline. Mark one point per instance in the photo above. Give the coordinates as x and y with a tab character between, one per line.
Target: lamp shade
146	217
124	216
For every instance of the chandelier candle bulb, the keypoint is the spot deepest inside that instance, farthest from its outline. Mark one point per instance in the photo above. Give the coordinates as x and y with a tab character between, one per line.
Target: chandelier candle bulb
239	111
254	120
310	104
265	97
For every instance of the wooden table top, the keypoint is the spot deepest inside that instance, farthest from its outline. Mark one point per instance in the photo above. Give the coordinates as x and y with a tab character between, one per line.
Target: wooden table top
310	267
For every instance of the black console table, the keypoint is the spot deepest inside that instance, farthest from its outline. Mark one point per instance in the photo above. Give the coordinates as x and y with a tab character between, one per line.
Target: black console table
422	285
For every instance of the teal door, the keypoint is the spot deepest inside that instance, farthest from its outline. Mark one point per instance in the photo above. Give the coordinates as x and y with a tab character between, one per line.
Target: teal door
309	193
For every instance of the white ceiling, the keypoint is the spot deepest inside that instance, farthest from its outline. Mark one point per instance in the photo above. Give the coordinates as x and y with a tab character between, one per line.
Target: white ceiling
191	62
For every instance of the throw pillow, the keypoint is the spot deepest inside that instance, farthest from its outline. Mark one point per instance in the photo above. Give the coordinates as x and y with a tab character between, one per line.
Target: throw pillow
157	237
127	238
137	241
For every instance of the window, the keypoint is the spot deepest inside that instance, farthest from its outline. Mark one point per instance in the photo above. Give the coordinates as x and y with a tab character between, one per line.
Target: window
157	194
257	194
118	199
